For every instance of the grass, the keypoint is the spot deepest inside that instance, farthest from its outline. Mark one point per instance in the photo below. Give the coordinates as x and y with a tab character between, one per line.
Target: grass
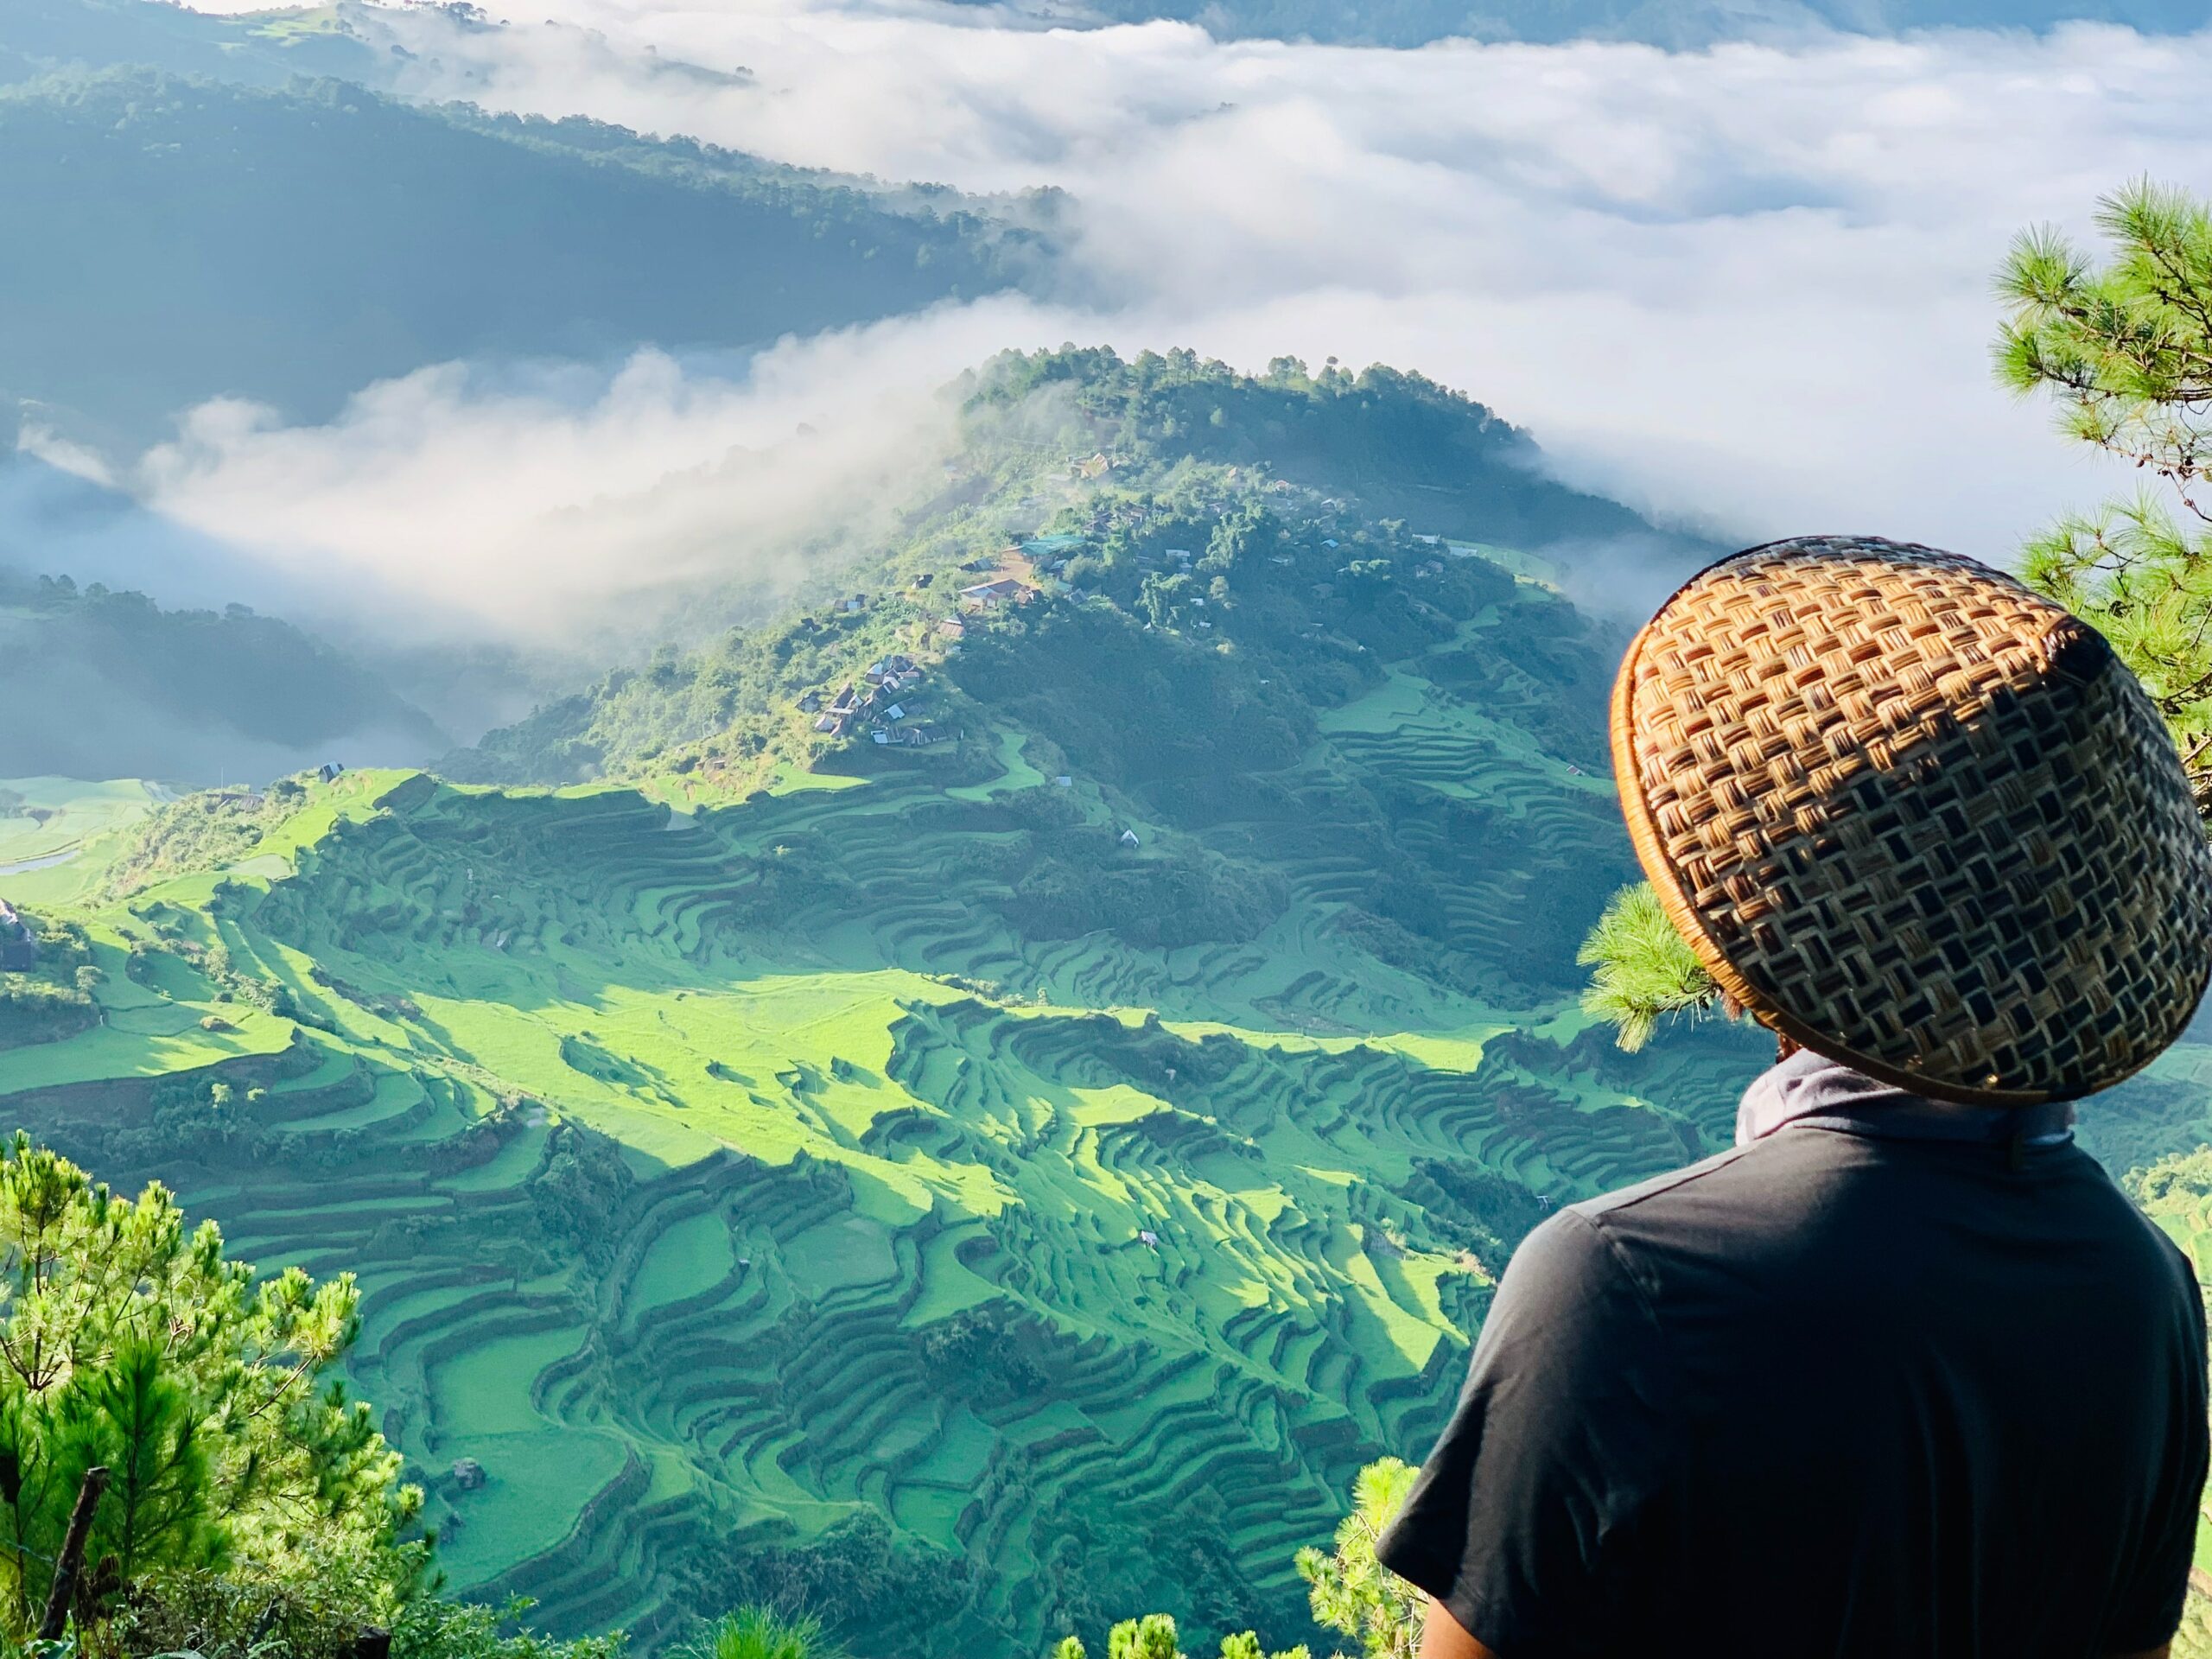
689	1259
1015	771
529	1500
60	855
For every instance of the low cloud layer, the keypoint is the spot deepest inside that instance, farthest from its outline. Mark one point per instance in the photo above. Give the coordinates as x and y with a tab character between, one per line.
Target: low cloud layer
556	505
1750	285
1746	289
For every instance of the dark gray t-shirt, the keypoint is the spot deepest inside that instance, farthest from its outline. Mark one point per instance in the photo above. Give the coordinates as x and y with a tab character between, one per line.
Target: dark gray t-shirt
1829	1395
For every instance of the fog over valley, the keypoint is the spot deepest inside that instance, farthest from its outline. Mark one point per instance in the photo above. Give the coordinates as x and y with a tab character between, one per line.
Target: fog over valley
1748	286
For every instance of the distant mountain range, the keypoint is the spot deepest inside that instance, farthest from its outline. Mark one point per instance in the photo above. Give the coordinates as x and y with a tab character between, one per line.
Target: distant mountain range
190	217
1675	23
95	684
171	240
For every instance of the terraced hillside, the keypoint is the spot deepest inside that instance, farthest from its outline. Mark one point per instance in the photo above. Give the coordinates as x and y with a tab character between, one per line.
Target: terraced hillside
983	1183
865	1241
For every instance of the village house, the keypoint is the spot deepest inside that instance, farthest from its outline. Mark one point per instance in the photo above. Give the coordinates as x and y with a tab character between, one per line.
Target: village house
952	628
986	596
811	704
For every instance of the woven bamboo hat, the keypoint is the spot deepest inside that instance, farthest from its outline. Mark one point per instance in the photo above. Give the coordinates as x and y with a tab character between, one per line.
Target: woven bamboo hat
1915	818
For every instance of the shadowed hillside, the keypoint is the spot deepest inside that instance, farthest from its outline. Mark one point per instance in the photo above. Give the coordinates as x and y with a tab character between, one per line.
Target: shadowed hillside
102	684
378	236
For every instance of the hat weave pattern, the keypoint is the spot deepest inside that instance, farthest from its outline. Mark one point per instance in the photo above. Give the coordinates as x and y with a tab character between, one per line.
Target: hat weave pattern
1917	817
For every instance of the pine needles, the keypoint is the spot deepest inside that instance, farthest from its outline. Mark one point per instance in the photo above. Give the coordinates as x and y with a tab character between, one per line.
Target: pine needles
1645	969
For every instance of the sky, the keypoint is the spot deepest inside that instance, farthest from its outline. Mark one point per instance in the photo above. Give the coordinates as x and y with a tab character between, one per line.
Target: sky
1746	289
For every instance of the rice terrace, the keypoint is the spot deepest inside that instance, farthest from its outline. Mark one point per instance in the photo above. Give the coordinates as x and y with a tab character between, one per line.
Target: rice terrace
995	1106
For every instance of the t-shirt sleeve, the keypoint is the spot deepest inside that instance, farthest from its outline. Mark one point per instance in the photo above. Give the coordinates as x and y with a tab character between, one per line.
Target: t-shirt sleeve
2149	1607
1529	1518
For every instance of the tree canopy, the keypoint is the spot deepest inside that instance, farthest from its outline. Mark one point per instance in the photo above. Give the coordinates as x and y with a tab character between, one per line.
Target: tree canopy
2124	349
131	1343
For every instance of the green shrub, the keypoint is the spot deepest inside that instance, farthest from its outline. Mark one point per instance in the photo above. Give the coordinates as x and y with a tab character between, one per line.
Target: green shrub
763	1633
431	1628
1154	1636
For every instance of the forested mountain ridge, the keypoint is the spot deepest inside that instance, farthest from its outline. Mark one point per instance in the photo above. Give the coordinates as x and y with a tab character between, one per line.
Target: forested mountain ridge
1276	491
381	236
1675	24
96	684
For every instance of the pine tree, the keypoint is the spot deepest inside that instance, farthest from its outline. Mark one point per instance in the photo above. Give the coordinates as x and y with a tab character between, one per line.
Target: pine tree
128	1343
1644	971
2125	349
1353	1592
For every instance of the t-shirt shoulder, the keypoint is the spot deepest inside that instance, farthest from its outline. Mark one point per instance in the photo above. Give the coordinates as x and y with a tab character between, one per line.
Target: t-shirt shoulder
1536	1498
1720	1164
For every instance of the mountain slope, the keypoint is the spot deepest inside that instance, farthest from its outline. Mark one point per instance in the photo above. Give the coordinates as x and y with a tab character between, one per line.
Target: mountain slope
1677	24
1270	489
101	685
1009	1201
267	50
139	278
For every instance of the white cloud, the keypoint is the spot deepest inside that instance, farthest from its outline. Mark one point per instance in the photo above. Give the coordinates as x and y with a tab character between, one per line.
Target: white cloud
558	506
1748	285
